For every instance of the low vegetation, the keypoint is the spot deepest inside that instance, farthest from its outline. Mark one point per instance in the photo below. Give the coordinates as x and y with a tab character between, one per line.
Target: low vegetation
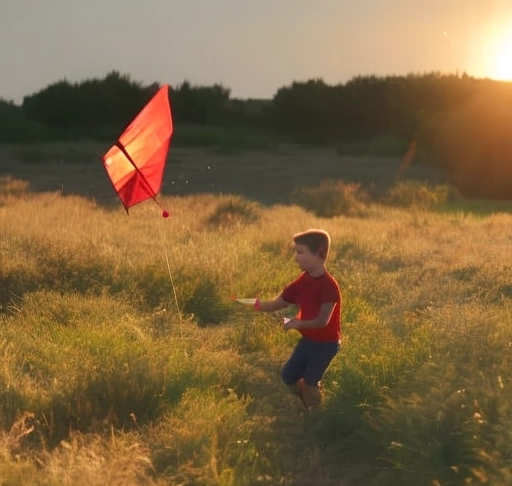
124	360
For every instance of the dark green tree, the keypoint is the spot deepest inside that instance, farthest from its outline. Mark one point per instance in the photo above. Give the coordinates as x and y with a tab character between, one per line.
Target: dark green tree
15	127
112	101
202	105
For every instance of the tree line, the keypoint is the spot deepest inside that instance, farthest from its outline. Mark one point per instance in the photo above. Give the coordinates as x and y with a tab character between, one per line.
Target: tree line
461	123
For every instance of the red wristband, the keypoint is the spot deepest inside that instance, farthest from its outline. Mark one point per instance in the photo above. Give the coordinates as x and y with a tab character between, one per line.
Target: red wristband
257	304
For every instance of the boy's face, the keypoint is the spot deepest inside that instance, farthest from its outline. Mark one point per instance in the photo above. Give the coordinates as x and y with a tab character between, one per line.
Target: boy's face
307	261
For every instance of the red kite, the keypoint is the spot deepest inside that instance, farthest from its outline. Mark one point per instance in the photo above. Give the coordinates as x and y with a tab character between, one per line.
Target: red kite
136	162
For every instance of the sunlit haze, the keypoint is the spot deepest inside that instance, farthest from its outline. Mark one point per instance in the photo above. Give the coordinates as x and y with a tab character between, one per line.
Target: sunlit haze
503	69
253	47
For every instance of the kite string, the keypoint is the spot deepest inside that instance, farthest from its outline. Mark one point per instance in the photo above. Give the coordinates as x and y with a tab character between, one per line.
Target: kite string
172	281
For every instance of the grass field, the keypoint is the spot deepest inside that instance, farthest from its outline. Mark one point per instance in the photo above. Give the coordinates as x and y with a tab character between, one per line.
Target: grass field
125	362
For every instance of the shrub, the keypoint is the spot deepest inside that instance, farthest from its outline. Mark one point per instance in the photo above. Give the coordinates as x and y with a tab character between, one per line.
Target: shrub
331	198
416	194
235	211
11	188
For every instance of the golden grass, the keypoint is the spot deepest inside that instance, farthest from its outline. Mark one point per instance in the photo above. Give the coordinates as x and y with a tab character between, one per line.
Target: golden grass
104	380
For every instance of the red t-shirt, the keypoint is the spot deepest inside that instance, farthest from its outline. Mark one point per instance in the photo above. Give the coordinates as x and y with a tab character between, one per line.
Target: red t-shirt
309	294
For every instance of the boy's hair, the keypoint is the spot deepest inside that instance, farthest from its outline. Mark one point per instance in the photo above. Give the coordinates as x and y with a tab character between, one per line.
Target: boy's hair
317	240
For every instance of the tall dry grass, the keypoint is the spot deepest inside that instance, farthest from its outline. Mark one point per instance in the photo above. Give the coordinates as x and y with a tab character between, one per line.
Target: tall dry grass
124	360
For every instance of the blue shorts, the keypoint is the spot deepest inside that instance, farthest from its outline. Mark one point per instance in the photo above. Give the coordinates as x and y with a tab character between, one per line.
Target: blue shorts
309	360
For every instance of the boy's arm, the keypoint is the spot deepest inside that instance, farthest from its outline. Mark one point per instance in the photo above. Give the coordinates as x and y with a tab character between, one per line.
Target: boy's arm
271	305
319	321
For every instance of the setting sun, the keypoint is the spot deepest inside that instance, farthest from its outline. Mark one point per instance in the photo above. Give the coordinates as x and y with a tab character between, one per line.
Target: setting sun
502	68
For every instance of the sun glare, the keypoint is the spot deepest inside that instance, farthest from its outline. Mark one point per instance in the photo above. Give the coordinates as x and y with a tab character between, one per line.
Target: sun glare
503	62
503	66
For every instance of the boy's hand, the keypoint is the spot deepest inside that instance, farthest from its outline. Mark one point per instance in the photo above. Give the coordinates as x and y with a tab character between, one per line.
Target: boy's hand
288	323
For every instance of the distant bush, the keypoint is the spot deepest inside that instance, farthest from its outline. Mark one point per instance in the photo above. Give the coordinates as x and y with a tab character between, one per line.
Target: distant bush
234	212
417	194
331	198
12	187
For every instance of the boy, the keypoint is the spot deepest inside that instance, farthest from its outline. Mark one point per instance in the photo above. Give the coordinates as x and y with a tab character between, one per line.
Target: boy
317	295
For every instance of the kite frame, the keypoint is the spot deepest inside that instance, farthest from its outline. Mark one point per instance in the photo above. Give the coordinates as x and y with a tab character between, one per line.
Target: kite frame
147	187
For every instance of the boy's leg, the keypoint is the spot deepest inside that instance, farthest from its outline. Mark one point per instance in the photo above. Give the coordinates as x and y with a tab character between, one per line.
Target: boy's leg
321	355
297	388
293	370
311	395
304	370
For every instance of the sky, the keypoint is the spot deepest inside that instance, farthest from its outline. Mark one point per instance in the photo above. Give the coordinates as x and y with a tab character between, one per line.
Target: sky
252	47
